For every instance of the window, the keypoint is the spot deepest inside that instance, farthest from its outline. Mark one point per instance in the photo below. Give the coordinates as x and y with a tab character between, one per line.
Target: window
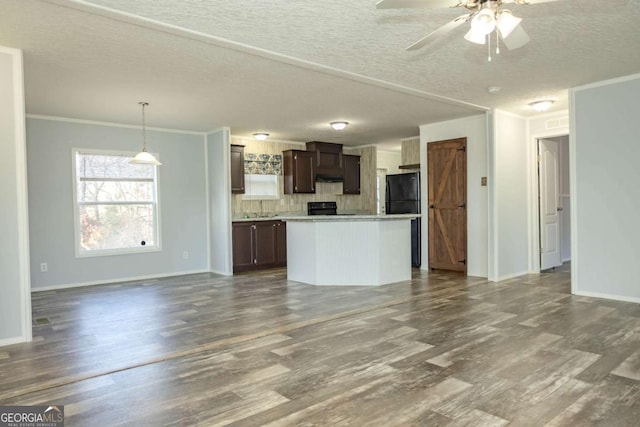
261	187
116	204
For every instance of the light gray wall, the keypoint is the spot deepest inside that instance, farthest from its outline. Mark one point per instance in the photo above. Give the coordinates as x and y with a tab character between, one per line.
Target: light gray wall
182	196
219	188
14	274
605	141
475	130
509	181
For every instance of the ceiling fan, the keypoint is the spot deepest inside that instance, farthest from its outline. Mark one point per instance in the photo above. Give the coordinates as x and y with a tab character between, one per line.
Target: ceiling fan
486	16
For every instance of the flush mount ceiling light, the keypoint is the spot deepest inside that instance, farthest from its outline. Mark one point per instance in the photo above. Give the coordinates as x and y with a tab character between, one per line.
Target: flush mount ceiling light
542	105
144	157
339	125
261	136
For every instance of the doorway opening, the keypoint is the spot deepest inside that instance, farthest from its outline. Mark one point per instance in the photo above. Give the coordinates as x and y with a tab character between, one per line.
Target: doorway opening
553	203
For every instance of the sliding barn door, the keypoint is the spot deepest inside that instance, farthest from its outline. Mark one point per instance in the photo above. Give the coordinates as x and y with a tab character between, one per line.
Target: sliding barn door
447	169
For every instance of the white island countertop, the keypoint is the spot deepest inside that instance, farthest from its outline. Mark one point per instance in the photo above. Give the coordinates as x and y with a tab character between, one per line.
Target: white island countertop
316	218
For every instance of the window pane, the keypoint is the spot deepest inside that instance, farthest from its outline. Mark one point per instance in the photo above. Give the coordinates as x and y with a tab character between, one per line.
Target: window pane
110	166
115	191
116	226
261	186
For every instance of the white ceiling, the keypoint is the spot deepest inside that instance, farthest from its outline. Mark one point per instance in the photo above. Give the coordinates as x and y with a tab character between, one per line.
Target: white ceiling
289	67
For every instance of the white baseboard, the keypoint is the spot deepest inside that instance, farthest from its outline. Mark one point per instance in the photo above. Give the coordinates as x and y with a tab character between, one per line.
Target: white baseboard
222	273
566	260
511	276
607	296
109	281
10	341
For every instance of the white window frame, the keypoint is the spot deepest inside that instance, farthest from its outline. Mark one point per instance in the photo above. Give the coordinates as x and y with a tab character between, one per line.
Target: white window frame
157	247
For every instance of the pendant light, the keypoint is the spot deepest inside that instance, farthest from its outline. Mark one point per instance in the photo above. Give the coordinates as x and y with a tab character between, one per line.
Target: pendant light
144	157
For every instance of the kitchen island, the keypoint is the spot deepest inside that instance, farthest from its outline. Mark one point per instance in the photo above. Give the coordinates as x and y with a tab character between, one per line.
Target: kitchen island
348	250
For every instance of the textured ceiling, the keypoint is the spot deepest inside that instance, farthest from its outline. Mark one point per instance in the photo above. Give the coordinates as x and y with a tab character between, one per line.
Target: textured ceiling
289	67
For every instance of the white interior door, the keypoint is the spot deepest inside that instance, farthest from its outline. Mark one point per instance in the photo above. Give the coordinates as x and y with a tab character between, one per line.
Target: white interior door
549	182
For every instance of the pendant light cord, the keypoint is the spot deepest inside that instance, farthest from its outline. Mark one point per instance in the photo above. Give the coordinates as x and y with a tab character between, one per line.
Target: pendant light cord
144	132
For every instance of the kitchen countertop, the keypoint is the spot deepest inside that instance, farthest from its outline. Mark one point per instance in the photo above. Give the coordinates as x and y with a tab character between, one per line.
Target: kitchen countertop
336	218
339	217
260	218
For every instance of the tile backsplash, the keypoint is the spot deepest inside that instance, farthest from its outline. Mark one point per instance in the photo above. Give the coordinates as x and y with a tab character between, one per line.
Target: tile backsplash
364	203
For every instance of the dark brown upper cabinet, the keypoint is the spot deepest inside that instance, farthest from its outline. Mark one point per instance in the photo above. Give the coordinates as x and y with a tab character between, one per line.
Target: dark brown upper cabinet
351	184
237	169
299	171
329	161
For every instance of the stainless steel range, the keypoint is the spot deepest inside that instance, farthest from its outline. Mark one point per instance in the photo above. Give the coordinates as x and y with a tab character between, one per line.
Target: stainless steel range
322	208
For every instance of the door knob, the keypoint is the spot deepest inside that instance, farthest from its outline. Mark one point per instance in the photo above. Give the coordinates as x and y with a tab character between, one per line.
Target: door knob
559	209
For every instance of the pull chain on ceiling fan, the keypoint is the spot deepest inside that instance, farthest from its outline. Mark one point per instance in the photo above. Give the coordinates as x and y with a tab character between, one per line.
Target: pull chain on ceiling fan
486	17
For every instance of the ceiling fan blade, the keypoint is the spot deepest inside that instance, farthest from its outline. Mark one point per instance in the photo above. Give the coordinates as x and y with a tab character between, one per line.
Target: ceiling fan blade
421	4
440	31
516	39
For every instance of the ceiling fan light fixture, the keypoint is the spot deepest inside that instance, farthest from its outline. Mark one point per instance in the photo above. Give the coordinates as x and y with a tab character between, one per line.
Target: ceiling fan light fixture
506	23
476	37
261	136
339	125
484	22
542	105
144	157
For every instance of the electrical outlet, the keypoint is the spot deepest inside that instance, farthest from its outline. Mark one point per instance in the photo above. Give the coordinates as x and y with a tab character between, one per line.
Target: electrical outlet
185	255
44	267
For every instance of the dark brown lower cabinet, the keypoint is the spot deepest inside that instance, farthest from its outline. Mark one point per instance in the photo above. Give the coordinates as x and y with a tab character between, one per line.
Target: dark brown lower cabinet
281	244
259	245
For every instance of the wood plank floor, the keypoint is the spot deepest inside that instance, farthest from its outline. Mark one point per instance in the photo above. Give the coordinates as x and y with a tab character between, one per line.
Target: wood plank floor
254	349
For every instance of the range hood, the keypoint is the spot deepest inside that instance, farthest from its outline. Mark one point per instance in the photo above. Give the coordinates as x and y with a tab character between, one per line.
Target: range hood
329	161
329	178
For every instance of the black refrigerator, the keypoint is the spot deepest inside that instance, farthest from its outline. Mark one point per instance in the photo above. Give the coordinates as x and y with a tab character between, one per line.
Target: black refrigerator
402	196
